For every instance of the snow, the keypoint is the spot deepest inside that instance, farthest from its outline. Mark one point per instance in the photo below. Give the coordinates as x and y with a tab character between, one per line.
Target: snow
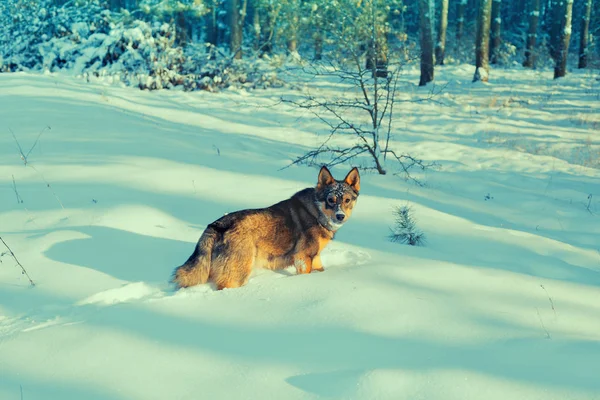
502	302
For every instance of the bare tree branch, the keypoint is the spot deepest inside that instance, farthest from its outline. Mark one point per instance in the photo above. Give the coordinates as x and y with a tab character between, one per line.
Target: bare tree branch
407	162
24	271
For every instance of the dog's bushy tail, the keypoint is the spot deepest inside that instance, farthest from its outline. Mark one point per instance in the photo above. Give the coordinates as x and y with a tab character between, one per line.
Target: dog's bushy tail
196	269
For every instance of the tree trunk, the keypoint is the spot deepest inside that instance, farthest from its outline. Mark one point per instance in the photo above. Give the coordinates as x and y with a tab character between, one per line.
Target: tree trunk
534	17
318	44
266	40
440	48
381	58
114	5
256	26
293	17
377	60
460	19
562	48
212	29
556	14
426	37
496	25
181	29
235	29
584	34
513	14
292	45
482	41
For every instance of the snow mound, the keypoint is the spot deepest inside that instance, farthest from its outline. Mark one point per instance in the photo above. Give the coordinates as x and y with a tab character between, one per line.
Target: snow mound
123	294
338	256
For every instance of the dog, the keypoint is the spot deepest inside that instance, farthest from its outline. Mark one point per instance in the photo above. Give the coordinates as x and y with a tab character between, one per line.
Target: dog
292	232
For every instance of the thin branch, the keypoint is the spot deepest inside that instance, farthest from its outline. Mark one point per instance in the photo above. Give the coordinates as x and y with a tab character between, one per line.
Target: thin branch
388	98
549	299
19	198
411	162
374	72
341	155
329	107
333	128
49	186
542	323
21	152
311	102
19	147
20	265
36	140
389	129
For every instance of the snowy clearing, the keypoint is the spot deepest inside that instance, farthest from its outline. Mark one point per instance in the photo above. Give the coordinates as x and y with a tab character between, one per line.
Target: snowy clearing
501	303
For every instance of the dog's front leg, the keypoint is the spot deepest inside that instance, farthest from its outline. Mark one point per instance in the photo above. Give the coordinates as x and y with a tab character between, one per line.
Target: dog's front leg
316	264
303	265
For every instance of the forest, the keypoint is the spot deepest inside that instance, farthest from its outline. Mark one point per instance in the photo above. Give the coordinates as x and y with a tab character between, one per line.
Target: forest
212	44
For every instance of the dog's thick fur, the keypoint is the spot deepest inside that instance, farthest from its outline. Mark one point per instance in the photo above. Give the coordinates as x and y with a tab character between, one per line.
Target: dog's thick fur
291	232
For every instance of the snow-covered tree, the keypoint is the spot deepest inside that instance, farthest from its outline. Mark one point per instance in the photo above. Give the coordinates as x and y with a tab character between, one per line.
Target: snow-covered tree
236	11
534	17
496	24
43	34
426	14
185	15
269	17
377	31
440	47
482	41
584	34
291	23
562	47
212	28
555	14
461	6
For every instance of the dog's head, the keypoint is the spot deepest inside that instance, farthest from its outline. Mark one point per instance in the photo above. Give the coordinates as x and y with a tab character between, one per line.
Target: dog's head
336	199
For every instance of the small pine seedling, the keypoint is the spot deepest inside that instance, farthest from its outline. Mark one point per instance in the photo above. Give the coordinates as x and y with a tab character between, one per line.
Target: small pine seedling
405	230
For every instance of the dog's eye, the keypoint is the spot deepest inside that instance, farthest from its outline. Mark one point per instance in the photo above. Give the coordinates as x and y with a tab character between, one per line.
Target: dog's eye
347	201
330	200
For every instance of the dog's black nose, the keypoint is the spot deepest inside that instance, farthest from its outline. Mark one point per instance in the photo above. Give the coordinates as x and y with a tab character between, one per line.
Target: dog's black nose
340	217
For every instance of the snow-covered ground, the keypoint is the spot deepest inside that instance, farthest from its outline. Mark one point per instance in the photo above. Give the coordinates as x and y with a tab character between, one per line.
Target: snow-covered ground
502	303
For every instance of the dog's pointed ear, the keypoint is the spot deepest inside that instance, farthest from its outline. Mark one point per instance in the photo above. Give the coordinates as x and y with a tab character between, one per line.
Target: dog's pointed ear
325	177
353	179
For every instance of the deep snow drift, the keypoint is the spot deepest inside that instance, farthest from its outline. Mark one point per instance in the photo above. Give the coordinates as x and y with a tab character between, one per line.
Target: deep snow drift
502	302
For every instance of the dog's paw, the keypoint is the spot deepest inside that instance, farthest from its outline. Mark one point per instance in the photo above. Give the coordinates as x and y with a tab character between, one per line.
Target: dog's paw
301	267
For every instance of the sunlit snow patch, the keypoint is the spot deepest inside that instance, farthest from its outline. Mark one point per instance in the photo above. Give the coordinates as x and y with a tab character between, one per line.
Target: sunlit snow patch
334	257
125	293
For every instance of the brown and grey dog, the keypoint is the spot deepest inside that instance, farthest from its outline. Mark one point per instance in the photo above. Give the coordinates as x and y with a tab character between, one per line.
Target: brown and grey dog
292	232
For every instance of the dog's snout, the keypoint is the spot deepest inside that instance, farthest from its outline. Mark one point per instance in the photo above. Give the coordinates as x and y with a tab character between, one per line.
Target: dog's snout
340	217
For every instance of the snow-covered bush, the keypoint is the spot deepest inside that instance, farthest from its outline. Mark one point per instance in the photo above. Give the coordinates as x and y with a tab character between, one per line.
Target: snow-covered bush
506	53
185	15
161	8
138	54
88	40
26	24
207	73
